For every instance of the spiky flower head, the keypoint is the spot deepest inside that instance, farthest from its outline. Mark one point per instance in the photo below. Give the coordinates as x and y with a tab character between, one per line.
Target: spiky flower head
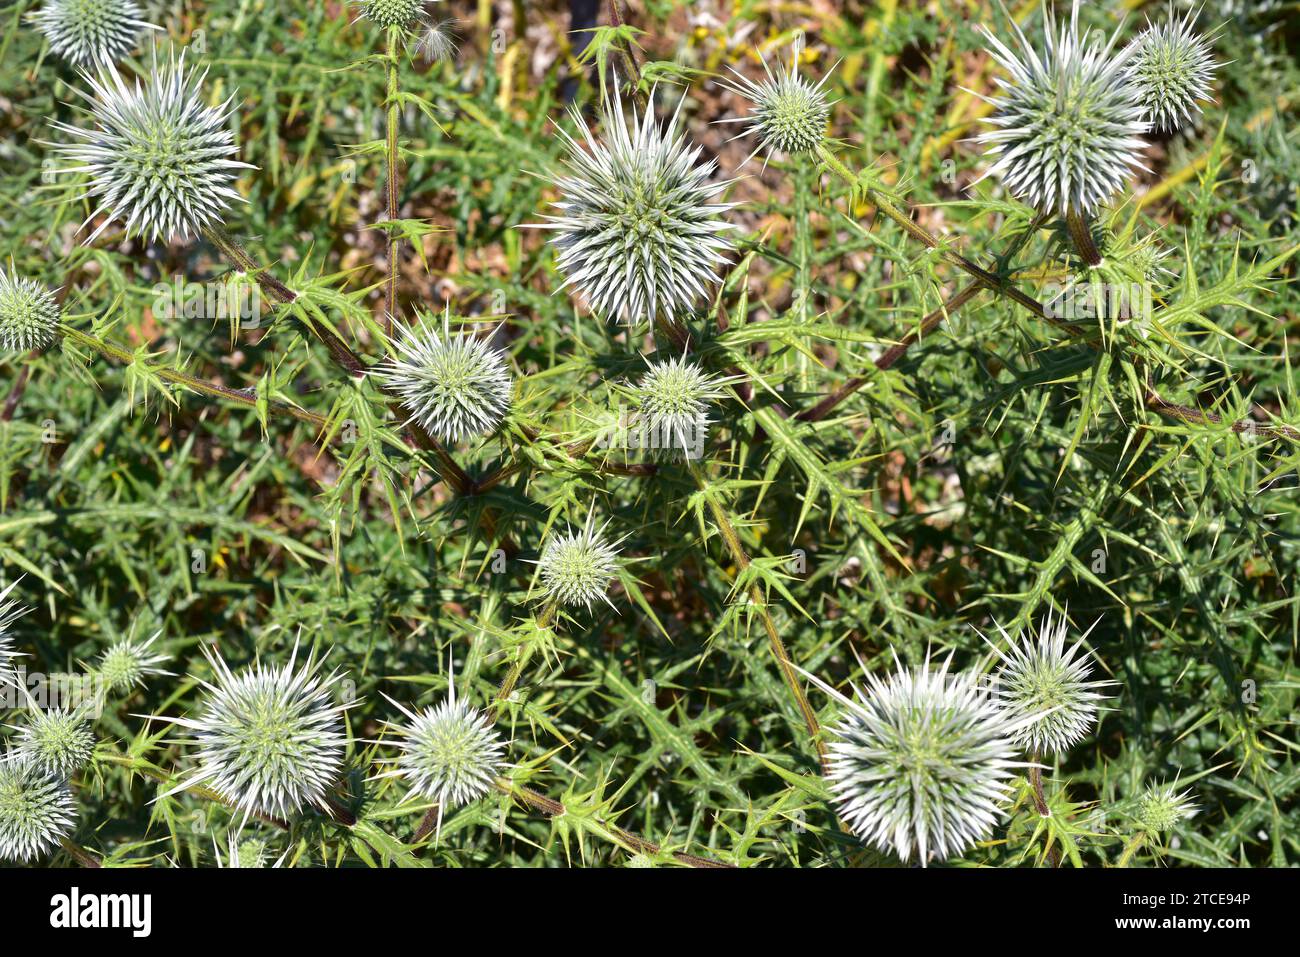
10	611
1161	807
448	753
392	13
637	230
249	854
269	740
1068	124
673	399
126	664
1041	676
161	160
58	741
790	111
36	810
453	386
88	32
577	567
923	761
1172	68
29	313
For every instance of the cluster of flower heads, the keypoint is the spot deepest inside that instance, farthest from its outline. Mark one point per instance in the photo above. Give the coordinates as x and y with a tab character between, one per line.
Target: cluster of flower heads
37	809
90	32
924	758
1069	120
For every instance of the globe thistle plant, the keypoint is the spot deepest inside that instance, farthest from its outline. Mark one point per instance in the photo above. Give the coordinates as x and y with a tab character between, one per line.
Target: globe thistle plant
1161	808
448	753
453	386
392	13
1041	676
638	233
57	741
1067	127
36	810
161	161
1172	67
248	854
89	32
790	112
923	761
577	567
269	740
126	664
673	398
29	313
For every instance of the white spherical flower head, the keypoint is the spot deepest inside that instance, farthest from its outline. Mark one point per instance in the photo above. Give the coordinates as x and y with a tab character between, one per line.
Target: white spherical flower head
58	741
269	740
36	810
1161	808
637	231
1068	124
577	567
1172	67
449	753
392	13
673	399
923	762
1040	676
29	313
126	664
87	32
790	112
161	161
453	386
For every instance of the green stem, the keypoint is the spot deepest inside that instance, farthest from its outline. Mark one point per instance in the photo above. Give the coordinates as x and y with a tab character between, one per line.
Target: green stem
1081	234
197	790
79	853
923	236
201	386
1131	848
511	679
991	281
393	159
629	841
757	598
